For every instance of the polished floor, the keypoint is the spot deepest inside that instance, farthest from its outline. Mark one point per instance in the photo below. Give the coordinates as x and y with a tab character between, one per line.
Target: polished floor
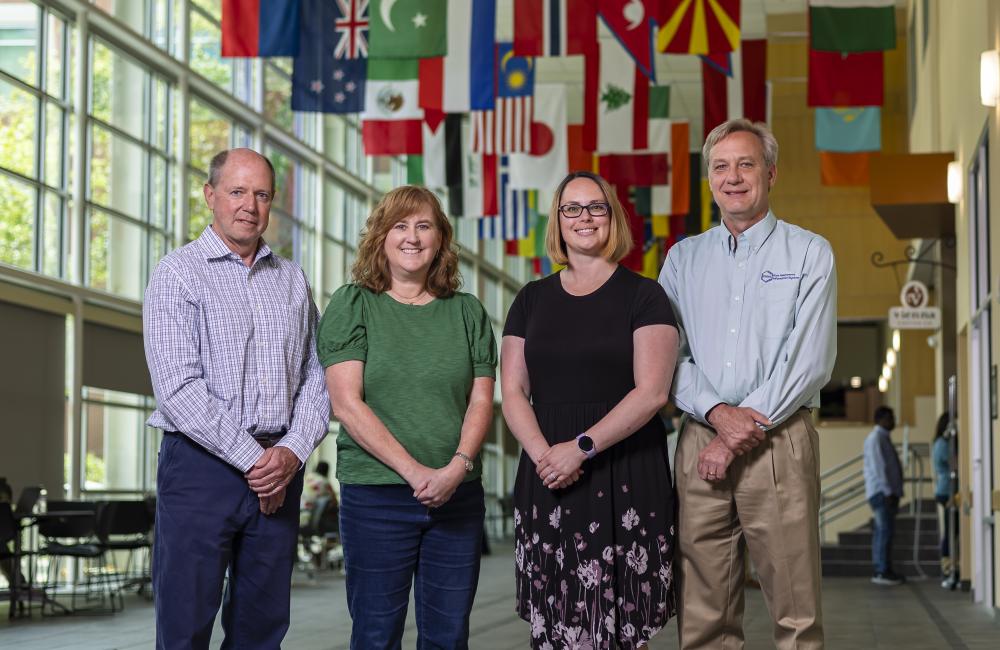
917	616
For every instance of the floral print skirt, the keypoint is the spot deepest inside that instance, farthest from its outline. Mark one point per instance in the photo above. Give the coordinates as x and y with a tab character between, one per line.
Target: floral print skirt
594	561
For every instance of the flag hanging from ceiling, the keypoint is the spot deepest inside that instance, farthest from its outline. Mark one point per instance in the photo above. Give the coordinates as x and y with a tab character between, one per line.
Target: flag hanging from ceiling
632	24
471	177
548	162
698	26
260	27
462	80
849	129
514	221
507	128
852	25
554	27
735	85
408	29
837	79
429	168
622	97
328	75
844	169
392	121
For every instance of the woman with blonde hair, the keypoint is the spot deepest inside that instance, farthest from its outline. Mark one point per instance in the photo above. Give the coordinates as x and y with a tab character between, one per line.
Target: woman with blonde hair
410	365
586	362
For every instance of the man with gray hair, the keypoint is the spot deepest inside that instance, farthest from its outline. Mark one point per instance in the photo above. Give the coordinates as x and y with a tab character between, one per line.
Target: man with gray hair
230	334
755	300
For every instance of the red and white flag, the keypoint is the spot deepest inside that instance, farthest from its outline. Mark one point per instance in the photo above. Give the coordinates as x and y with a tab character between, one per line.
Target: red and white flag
619	92
506	129
554	27
739	92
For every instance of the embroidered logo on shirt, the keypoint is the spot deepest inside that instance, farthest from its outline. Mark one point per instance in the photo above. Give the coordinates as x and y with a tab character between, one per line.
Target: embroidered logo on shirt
771	276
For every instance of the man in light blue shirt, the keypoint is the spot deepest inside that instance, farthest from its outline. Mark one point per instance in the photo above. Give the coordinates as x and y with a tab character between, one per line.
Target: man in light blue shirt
755	299
883	488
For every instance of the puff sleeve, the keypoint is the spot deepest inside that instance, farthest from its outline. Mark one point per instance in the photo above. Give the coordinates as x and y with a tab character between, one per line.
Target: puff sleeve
479	331
342	335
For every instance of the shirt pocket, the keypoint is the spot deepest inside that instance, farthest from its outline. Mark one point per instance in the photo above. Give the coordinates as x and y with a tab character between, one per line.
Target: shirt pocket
774	313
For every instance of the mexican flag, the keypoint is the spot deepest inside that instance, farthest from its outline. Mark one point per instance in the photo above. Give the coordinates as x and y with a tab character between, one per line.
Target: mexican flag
407	29
852	25
392	121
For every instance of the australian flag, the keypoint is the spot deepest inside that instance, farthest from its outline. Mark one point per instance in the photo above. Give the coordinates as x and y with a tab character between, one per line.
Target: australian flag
329	74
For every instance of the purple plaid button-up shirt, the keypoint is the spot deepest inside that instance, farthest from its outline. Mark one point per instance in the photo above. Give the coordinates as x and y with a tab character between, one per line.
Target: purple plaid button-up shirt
231	351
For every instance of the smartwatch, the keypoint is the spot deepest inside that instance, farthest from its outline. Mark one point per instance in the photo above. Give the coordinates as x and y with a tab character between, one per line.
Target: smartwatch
586	445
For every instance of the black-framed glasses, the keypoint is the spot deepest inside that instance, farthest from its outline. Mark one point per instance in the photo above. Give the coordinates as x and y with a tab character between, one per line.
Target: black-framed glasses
574	210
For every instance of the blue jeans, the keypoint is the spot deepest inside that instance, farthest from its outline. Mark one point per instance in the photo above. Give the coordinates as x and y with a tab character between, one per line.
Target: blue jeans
389	539
885	509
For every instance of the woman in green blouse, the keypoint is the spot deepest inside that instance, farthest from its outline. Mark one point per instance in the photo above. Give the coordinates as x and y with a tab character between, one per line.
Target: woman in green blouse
410	365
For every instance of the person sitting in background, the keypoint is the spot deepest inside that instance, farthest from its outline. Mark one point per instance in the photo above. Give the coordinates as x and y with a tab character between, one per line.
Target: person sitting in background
316	484
884	489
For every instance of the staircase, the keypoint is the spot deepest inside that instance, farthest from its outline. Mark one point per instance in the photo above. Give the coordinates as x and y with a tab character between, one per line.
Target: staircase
852	554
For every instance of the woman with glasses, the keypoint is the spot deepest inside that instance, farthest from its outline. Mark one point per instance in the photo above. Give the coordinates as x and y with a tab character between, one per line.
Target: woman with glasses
586	362
410	365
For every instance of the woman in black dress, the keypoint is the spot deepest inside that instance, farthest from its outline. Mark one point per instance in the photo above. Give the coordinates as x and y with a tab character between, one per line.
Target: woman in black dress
586	362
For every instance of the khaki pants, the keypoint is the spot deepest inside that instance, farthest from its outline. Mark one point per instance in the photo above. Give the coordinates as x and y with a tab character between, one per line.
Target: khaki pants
768	504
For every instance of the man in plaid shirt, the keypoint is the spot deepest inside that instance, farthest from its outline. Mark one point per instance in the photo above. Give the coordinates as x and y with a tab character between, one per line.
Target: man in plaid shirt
229	330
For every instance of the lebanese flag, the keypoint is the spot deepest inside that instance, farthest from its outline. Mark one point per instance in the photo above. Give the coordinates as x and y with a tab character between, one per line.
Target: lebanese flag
554	27
632	24
261	27
392	123
621	93
841	79
463	80
740	93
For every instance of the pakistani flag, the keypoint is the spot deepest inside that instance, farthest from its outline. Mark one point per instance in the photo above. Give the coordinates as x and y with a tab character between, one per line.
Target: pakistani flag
407	29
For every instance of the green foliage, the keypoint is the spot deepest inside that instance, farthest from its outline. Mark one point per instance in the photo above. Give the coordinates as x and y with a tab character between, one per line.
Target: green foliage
18	110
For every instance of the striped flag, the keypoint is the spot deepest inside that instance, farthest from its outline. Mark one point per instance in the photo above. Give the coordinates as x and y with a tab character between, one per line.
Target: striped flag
261	27
463	79
554	27
514	221
735	85
507	128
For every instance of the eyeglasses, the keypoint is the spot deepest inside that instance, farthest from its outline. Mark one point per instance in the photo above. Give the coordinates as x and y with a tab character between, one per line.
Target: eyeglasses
574	210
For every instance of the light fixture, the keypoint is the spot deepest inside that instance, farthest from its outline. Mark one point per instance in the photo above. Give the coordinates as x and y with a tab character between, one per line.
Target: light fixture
989	77
886	372
896	339
890	358
856	382
954	181
883	384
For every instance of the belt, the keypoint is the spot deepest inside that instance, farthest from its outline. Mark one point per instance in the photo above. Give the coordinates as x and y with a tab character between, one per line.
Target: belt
268	440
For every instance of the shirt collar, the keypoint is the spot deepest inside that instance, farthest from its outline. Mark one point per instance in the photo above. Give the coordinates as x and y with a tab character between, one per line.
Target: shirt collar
754	236
882	431
215	248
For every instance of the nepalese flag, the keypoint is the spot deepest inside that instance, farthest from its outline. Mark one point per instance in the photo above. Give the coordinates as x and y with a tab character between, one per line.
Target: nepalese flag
554	27
260	27
631	22
507	128
698	26
329	73
463	79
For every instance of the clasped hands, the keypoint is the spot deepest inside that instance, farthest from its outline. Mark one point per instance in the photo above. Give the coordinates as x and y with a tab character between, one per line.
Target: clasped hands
270	475
559	465
738	431
434	487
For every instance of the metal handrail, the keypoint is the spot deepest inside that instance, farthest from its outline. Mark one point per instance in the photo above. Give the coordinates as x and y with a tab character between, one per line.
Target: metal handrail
837	468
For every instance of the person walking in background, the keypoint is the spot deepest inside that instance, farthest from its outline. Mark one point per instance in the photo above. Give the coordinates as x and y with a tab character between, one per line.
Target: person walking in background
410	366
316	484
229	332
586	361
883	489
944	495
756	301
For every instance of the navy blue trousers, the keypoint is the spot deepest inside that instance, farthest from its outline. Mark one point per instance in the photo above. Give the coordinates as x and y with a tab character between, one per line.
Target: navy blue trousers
208	522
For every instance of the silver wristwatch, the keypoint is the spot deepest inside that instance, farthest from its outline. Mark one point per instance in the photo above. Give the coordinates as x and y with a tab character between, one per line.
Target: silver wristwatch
469	465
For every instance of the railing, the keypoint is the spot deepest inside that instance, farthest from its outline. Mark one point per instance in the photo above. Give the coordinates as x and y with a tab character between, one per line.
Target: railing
846	493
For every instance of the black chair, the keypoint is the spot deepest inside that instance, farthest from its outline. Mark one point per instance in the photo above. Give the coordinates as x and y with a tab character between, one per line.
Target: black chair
125	526
10	559
74	535
26	502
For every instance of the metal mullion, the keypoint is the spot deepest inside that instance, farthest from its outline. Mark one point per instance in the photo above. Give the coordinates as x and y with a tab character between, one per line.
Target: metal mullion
131	138
124	217
33	182
38	93
198	9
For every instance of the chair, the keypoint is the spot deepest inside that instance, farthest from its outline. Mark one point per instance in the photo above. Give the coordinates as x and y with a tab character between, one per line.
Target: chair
321	533
26	502
125	526
10	559
72	535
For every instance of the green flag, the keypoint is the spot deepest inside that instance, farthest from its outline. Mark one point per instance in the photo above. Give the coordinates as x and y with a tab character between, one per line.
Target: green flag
407	29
